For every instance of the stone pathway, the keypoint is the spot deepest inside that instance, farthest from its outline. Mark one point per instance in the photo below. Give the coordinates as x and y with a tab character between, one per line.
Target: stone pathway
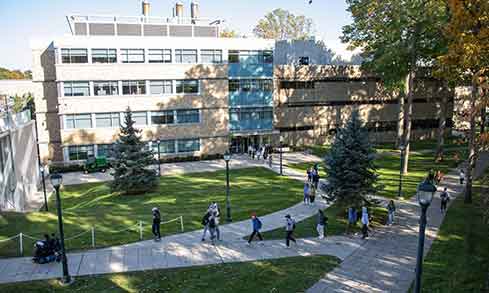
387	261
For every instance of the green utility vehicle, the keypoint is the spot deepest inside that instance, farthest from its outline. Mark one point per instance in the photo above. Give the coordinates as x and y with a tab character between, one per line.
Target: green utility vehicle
96	164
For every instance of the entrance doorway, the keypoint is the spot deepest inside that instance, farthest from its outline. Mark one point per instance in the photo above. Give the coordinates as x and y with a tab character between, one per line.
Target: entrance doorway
240	144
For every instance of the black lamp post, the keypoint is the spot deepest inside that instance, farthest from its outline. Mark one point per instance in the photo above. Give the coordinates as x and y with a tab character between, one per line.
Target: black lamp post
401	148
56	180
227	158
424	193
281	150
44	188
159	157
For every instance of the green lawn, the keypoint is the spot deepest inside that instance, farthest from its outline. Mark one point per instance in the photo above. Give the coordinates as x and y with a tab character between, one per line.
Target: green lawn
337	222
252	190
459	258
294	274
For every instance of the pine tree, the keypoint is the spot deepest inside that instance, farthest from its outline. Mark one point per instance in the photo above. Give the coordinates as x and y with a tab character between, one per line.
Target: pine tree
350	164
131	161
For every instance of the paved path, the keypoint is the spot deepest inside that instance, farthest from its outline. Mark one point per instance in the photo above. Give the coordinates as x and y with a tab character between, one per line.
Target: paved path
387	261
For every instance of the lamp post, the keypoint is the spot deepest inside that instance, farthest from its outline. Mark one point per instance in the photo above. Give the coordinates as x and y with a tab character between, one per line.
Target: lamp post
424	194
281	146
227	158
44	188
56	180
159	157
401	148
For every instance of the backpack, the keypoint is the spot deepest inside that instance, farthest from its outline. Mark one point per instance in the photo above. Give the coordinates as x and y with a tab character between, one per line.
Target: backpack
258	223
205	219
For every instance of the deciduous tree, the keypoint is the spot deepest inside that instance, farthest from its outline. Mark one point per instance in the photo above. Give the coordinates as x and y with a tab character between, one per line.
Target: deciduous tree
281	24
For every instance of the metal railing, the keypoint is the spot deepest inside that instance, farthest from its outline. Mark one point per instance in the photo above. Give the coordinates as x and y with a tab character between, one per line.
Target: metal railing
140	227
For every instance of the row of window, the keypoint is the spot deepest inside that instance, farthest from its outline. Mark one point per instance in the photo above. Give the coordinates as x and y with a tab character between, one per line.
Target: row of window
109	55
173	146
131	87
297	84
250	114
111	120
249	85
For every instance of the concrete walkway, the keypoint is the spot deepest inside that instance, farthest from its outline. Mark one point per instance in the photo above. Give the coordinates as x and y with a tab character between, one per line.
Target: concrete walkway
387	261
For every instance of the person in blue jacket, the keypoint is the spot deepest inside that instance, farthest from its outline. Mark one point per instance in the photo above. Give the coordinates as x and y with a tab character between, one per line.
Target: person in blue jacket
256	224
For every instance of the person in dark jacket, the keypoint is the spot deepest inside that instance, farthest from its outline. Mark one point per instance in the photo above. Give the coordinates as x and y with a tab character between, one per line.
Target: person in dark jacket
289	230
156	223
322	221
445	197
391	208
205	223
256	224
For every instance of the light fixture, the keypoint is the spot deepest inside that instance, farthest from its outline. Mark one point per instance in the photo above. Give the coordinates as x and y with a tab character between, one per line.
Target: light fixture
56	180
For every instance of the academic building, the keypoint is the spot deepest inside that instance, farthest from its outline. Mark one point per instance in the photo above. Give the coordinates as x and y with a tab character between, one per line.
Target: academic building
200	94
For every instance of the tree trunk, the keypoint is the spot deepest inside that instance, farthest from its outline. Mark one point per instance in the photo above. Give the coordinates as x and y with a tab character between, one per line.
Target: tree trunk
442	116
400	119
407	133
472	146
483	120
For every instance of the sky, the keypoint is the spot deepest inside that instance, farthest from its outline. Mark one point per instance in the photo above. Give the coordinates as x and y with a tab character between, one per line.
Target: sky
25	20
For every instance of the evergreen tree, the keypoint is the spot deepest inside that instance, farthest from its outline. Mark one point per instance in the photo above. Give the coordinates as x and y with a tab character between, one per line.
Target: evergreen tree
131	160
350	164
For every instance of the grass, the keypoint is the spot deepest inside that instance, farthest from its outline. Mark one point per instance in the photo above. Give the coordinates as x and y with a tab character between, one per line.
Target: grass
294	274
252	190
337	222
459	258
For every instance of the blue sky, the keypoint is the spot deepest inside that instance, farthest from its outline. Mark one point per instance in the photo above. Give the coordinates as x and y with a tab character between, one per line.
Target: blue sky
22	20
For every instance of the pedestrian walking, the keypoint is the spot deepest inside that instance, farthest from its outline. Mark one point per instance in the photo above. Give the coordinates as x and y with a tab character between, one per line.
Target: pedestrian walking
461	176
315	177
216	212
306	193
391	208
322	222
445	198
289	230
212	226
309	174
256	225
312	195
365	222
352	218
205	222
156	223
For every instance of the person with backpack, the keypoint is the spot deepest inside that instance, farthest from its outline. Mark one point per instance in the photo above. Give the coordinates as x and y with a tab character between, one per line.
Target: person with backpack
156	223
256	224
306	193
289	230
214	210
212	226
445	198
391	208
322	222
205	223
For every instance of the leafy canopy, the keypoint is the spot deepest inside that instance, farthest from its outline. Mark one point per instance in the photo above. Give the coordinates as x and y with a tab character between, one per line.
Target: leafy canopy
281	24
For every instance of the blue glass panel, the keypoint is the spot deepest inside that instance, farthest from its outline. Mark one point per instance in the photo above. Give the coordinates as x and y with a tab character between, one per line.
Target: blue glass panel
261	98
250	70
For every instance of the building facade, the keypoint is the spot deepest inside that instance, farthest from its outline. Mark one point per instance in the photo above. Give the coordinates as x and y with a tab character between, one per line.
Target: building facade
197	93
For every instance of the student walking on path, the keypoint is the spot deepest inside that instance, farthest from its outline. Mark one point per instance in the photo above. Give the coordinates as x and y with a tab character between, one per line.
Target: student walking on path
256	225
365	222
289	230
322	222
391	208
445	198
205	223
156	223
306	193
212	226
216	212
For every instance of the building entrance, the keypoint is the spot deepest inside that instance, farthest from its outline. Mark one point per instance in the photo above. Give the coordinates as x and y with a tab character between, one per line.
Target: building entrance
240	144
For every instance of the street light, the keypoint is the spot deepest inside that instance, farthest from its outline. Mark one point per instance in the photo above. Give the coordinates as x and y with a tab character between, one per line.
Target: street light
56	180
227	158
44	187
159	157
281	146
401	148
424	194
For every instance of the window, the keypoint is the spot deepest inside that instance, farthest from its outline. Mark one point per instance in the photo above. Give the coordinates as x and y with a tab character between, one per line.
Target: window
211	56
80	152
136	87
105	88
188	116
160	87
74	55
107	120
162	117
267	85
234	85
303	60
159	56
104	55
76	88
297	84
233	56
268	57
140	118
166	146
132	55
187	86
105	150
78	121
188	145
185	56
